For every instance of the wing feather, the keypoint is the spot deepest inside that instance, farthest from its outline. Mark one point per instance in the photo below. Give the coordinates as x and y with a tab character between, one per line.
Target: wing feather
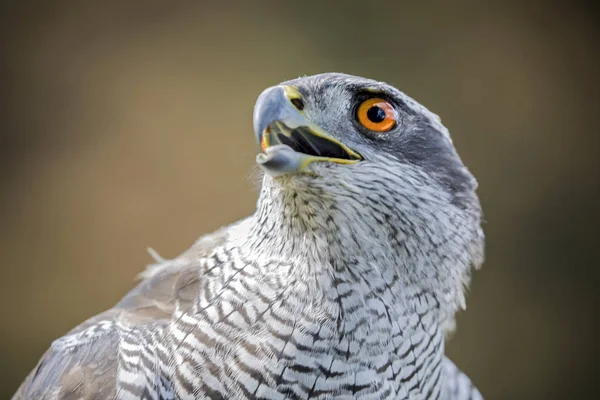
84	363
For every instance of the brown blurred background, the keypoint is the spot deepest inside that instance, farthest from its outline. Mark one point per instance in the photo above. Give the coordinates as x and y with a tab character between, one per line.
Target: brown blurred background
128	124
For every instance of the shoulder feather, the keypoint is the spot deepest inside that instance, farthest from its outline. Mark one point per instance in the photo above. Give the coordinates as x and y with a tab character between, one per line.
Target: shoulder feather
84	363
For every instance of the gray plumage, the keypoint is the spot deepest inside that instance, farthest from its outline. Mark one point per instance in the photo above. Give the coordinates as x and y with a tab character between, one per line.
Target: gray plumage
342	285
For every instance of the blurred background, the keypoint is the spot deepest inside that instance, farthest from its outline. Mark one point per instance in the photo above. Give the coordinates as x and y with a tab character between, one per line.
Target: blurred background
125	125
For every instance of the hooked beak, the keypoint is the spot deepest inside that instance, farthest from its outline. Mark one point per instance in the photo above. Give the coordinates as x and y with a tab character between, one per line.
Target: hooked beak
289	141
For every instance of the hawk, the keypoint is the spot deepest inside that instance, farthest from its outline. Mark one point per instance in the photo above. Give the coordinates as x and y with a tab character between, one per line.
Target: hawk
342	285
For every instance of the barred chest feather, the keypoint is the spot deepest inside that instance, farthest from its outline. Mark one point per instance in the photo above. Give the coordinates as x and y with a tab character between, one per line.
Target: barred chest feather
255	333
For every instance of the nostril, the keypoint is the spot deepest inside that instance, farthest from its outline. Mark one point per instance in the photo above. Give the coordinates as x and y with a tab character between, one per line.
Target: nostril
298	103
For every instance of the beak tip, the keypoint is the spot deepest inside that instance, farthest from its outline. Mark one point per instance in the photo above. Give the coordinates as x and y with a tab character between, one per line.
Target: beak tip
279	160
267	109
274	105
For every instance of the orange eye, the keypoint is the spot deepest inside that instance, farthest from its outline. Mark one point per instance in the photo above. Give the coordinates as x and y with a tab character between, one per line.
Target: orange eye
377	115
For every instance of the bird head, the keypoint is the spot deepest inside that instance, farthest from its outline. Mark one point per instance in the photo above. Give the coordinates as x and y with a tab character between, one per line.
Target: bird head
368	170
335	124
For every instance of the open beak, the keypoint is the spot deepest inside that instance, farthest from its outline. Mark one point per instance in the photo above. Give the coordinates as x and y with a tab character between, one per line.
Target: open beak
289	141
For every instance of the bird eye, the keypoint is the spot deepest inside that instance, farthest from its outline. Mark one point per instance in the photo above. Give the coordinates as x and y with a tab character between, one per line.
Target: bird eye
377	115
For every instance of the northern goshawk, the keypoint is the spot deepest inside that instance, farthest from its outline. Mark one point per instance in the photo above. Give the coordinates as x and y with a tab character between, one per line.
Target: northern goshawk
342	284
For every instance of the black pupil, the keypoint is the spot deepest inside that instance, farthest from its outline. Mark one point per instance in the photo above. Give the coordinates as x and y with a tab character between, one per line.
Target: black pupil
376	114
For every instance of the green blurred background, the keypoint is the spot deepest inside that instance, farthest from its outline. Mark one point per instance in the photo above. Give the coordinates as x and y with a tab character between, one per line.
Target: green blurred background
128	124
